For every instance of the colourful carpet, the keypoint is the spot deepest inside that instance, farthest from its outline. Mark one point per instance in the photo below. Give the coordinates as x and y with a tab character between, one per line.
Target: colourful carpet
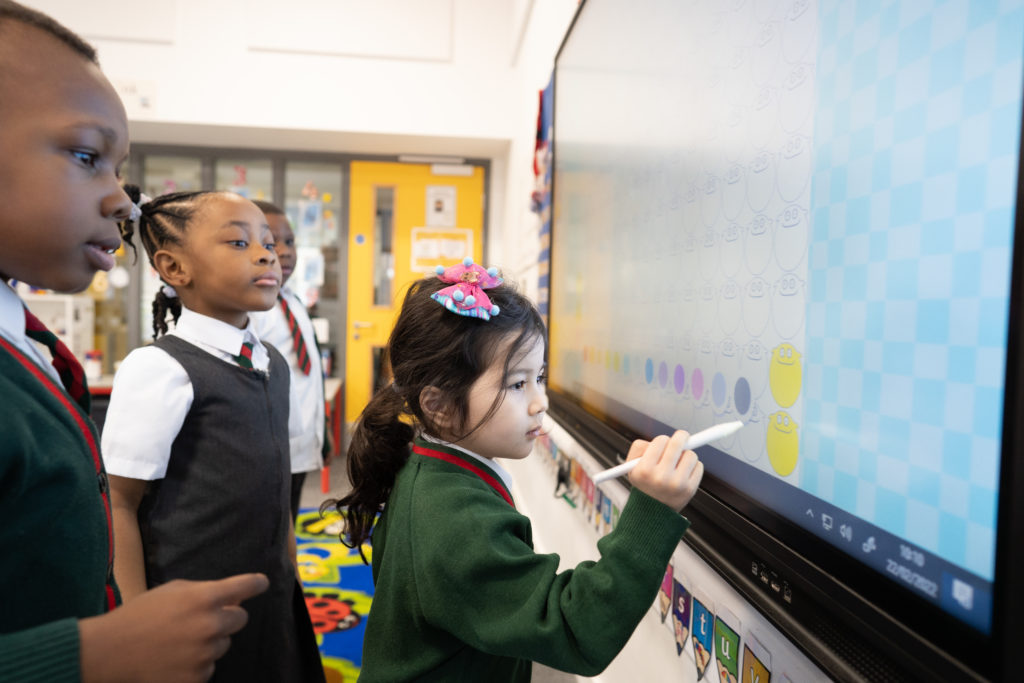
339	589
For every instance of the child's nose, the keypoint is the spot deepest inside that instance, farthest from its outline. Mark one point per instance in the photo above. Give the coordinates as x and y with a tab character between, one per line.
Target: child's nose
539	403
267	256
117	205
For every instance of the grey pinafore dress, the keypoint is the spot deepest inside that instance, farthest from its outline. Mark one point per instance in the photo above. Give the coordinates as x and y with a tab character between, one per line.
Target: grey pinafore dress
223	509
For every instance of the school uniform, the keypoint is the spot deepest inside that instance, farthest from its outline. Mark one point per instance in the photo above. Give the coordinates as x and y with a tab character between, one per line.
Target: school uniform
217	504
307	415
461	596
55	536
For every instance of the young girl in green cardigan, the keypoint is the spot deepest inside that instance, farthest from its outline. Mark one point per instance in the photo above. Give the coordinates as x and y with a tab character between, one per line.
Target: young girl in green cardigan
460	594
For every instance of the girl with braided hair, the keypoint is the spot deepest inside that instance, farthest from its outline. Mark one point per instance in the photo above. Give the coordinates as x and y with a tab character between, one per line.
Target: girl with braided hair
196	435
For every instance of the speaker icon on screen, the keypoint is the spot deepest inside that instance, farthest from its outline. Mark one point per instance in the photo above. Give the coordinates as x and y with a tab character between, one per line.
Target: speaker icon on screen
846	531
963	593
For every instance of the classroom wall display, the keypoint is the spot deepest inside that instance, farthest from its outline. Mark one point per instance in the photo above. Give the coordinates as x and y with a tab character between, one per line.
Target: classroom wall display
540	197
703	632
801	215
757	661
680	612
727	646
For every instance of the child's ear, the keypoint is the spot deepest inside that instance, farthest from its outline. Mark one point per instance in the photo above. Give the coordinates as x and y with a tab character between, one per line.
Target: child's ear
435	407
171	268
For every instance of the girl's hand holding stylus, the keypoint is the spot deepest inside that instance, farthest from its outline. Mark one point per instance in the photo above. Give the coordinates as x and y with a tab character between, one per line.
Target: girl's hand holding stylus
666	471
175	632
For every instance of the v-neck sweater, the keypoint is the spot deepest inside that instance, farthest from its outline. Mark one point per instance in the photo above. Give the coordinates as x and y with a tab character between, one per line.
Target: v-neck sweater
461	595
55	538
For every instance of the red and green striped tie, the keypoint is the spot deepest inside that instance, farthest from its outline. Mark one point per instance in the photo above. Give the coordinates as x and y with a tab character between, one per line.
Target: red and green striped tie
298	343
70	370
244	358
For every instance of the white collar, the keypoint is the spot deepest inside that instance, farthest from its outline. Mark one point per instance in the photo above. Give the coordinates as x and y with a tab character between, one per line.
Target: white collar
216	333
12	314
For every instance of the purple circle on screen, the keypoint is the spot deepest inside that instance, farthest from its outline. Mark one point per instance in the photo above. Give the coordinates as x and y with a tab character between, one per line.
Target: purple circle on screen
697	383
680	379
742	395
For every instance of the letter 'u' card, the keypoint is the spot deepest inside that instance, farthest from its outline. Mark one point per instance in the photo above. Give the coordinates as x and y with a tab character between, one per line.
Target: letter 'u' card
727	646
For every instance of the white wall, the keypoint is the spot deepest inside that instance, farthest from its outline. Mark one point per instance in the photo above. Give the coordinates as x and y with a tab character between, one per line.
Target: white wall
517	248
308	65
447	77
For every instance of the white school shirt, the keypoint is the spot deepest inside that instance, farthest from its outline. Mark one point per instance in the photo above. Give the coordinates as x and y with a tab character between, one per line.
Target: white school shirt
306	413
12	328
152	395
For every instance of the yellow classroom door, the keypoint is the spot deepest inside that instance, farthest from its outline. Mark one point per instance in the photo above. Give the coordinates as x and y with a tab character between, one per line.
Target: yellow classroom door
404	219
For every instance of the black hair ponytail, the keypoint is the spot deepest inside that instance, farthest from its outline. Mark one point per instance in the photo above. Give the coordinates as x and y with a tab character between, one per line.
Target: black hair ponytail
162	305
379	448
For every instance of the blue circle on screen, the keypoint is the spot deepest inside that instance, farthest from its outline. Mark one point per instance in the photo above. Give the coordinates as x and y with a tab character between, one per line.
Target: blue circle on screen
360	239
649	370
625	364
742	395
718	389
663	374
680	379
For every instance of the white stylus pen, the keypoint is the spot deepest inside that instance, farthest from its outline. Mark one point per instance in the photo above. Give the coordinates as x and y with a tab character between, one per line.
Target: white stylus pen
719	431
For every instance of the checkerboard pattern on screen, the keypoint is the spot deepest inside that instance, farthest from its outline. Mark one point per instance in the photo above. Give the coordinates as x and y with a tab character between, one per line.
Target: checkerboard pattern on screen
913	198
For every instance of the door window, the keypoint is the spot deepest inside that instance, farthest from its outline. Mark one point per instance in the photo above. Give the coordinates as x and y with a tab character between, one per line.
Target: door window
313	204
251	178
383	245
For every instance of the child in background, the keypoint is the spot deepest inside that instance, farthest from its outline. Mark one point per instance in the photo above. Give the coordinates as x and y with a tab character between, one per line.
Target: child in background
287	327
196	435
460	595
64	136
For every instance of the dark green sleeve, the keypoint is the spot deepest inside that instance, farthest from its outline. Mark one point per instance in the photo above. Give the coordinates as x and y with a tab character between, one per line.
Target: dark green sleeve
43	654
478	578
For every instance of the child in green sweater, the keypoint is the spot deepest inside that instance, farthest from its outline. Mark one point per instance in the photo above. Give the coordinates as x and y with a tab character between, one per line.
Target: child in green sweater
64	136
460	594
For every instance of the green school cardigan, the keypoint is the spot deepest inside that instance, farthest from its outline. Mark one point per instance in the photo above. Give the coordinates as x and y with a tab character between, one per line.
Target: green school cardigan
54	537
461	595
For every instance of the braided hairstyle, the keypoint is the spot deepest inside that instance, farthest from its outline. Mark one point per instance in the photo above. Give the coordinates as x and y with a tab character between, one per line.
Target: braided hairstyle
12	11
429	347
162	222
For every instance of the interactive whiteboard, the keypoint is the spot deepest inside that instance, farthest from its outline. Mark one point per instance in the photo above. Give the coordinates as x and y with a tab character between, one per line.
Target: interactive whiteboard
801	215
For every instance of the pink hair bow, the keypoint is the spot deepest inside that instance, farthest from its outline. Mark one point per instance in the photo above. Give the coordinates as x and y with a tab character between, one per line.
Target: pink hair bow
466	295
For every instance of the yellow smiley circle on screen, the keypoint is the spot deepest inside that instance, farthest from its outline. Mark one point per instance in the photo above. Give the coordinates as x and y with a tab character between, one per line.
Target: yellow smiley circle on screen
785	375
783	442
